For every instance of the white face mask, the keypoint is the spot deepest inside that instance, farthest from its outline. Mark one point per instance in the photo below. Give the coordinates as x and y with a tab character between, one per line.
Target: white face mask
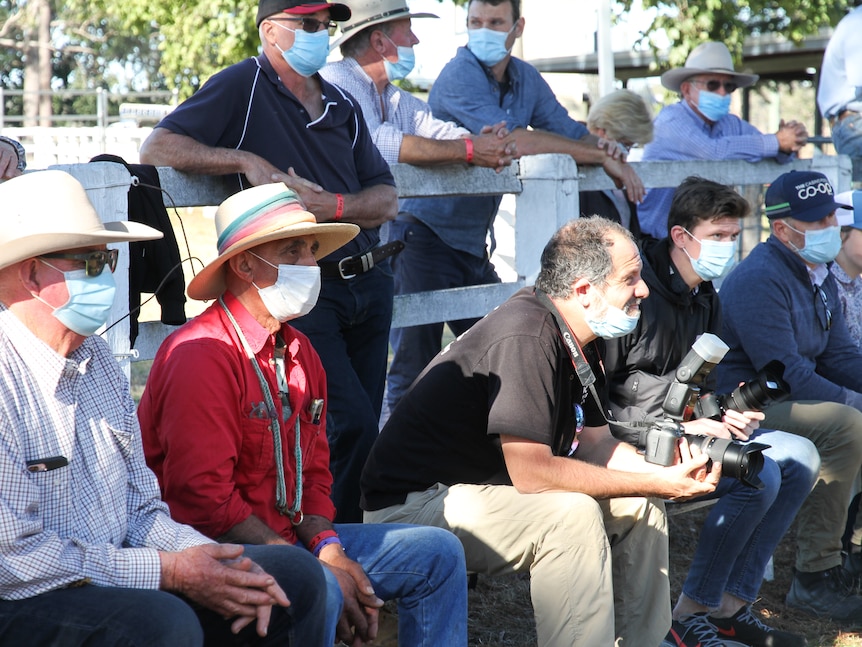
294	292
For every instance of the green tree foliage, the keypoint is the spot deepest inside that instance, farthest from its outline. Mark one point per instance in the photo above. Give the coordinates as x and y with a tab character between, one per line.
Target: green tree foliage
687	23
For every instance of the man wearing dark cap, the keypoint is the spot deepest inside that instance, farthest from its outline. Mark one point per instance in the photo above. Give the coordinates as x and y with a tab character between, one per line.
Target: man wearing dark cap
272	118
700	126
781	303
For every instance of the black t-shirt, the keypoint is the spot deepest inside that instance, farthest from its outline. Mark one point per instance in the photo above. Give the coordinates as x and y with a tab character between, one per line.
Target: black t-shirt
509	374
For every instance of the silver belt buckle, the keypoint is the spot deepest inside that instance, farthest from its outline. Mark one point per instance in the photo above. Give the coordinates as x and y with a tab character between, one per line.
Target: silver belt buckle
341	268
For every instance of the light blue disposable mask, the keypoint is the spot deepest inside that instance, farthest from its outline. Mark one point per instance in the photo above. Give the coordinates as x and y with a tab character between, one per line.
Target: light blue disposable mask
713	106
403	66
309	51
716	258
615	324
487	45
90	300
821	245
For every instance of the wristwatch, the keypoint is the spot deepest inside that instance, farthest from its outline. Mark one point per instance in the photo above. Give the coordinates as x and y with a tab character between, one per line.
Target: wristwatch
22	155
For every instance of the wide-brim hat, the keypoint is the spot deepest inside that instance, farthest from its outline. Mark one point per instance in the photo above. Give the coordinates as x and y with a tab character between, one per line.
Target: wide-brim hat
807	196
265	8
259	215
851	215
707	58
49	211
366	13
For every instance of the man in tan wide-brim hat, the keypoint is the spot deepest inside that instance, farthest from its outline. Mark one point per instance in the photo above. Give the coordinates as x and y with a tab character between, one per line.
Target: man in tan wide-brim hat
234	422
88	541
700	126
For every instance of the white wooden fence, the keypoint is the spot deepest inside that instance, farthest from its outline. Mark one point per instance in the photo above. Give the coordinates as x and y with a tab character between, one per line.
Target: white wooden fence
546	196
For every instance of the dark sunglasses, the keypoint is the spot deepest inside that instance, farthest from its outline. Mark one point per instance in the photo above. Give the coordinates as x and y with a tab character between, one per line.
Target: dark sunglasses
824	314
312	25
94	262
713	85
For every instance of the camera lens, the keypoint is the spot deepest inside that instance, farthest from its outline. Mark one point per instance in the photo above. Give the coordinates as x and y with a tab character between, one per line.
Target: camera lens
742	461
765	389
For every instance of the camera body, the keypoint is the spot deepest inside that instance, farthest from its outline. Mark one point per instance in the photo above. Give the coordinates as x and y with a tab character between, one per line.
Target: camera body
684	401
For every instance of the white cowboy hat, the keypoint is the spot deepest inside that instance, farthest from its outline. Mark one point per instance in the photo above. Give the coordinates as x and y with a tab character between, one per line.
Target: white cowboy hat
48	211
366	13
707	58
256	216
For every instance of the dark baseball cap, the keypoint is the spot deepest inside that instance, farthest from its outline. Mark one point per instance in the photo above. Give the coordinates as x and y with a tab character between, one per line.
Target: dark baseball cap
804	195
265	8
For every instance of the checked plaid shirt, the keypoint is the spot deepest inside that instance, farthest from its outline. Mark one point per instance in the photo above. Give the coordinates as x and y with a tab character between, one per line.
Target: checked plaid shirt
98	519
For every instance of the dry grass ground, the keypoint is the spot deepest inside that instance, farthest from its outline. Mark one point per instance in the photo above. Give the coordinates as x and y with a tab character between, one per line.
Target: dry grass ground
500	614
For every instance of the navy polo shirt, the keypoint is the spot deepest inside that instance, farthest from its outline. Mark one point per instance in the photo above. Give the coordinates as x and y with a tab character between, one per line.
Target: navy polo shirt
246	107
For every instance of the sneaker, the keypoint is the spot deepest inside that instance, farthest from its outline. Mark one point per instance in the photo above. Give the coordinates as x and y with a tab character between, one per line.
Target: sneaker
695	631
747	628
827	594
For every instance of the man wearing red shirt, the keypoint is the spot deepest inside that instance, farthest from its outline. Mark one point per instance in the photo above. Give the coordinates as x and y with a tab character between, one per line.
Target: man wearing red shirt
234	425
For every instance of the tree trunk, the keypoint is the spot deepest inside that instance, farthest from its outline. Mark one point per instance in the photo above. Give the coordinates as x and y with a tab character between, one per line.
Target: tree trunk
37	64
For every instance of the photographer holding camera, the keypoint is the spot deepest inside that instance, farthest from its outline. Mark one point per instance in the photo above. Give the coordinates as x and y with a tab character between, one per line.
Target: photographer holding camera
503	440
746	523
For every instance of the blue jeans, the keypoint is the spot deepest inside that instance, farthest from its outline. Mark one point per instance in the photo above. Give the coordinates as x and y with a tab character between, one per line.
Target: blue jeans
99	616
422	568
426	263
744	527
847	135
349	329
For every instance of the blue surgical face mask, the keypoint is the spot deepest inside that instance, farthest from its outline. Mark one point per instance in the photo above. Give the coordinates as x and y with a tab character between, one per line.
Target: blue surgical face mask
403	66
90	300
616	322
713	106
715	260
309	51
821	245
487	45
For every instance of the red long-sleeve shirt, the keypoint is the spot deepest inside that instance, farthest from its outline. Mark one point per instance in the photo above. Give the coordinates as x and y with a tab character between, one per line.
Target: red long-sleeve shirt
206	432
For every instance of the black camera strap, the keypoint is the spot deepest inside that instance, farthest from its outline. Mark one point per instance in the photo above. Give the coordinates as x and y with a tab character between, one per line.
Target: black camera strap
582	366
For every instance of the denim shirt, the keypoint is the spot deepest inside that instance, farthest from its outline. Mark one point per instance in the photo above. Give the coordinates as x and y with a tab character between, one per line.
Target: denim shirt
467	93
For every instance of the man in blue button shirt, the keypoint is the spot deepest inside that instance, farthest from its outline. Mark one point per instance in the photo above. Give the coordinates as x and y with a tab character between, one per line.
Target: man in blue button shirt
700	127
483	84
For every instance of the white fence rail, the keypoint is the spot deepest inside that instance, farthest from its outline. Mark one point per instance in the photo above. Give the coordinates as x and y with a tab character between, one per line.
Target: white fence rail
546	196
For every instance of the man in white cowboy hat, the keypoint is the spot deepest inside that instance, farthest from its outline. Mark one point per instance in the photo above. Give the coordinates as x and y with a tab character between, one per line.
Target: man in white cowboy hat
700	126
89	553
377	45
483	84
273	118
234	424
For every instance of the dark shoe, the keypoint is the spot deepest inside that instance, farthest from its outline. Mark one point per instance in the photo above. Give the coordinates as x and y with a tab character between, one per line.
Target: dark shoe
853	566
827	594
695	631
747	628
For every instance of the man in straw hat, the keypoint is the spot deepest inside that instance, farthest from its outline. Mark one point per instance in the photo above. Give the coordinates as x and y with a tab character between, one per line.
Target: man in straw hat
89	552
234	424
483	84
700	126
377	46
272	118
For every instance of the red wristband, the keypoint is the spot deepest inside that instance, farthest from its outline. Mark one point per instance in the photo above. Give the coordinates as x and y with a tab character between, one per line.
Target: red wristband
319	537
469	144
339	206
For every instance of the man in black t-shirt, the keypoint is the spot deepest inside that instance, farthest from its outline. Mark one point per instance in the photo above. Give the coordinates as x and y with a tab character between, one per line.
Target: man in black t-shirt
502	443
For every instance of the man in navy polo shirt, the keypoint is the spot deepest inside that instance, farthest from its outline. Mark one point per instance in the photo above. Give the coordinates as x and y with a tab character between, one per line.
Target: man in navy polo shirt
272	118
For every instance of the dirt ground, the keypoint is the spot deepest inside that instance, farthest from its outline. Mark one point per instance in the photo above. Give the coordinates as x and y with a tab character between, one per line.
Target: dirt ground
500	614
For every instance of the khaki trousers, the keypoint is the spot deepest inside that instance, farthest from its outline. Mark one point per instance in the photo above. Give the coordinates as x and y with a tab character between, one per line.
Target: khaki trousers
836	431
598	569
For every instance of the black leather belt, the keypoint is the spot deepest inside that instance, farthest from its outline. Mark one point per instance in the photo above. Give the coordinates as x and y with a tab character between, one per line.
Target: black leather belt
351	266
